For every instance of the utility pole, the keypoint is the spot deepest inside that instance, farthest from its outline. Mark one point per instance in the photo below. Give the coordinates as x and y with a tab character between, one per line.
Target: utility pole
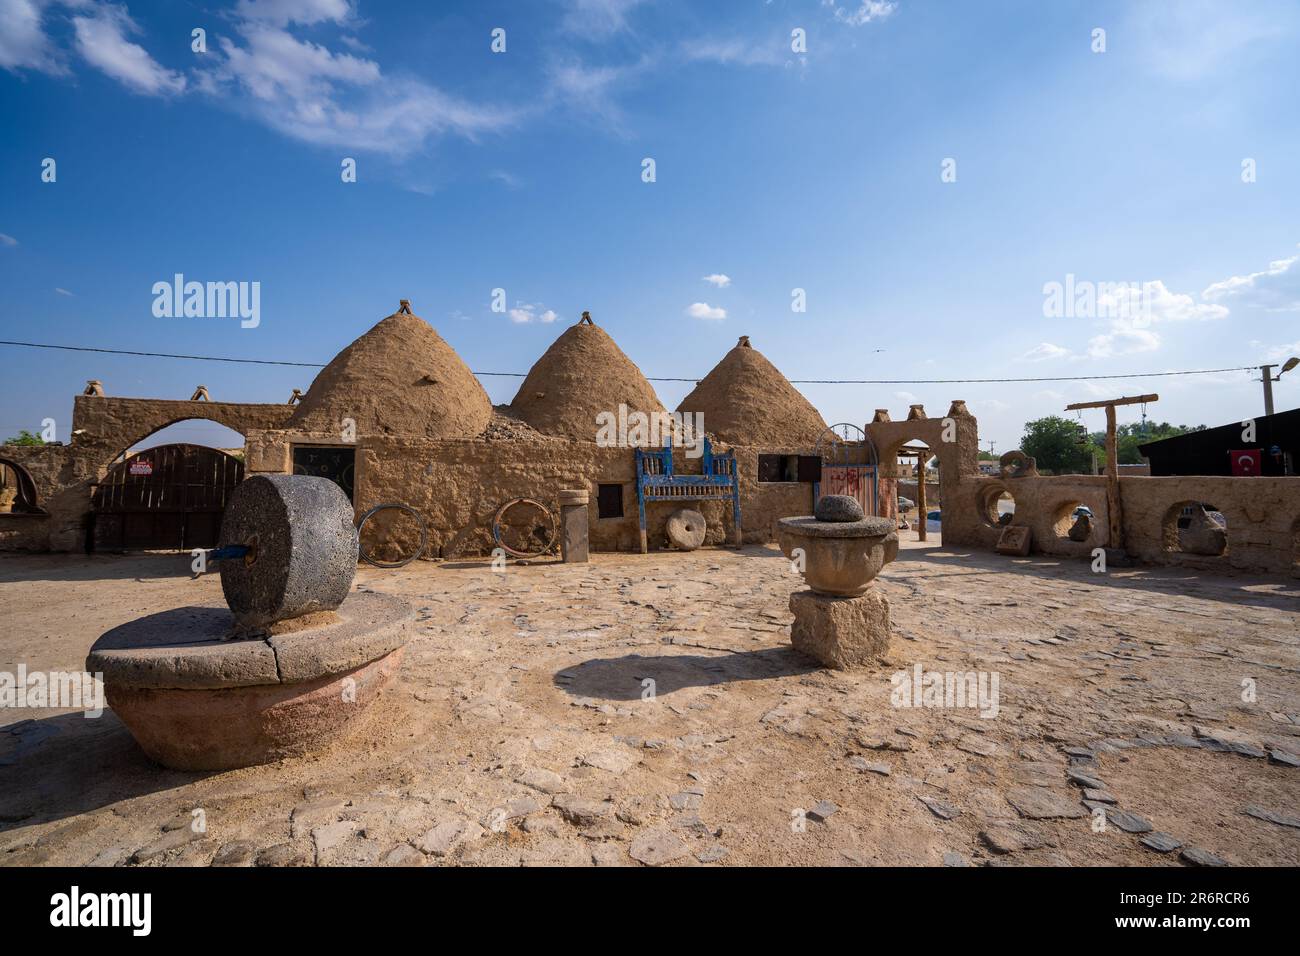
1267	374
1112	460
1268	378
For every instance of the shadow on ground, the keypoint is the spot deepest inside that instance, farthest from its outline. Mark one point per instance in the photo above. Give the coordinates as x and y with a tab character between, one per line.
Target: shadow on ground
620	678
67	764
94	567
1234	587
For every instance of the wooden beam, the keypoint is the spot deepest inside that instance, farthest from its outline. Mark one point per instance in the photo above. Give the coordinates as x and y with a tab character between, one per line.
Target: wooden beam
1111	402
921	506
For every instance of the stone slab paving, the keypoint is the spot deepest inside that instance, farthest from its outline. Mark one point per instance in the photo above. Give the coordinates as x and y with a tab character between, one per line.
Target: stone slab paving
649	710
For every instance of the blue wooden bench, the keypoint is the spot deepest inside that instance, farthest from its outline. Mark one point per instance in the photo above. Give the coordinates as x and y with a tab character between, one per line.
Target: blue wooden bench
718	480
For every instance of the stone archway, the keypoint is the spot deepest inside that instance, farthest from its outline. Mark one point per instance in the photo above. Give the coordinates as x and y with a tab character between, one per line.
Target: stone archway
118	424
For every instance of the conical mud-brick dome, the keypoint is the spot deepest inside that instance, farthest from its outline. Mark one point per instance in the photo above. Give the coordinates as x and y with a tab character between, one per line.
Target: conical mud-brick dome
401	379
582	374
747	401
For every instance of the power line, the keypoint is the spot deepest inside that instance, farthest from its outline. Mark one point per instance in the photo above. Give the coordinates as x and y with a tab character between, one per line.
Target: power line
794	381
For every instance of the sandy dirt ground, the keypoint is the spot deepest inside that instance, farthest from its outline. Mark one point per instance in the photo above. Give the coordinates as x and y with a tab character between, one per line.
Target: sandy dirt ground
522	727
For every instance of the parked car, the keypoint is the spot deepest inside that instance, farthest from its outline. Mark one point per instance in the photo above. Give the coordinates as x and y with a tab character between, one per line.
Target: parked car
933	521
905	504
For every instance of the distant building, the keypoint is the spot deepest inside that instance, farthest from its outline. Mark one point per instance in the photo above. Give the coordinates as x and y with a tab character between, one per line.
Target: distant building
1275	450
1137	471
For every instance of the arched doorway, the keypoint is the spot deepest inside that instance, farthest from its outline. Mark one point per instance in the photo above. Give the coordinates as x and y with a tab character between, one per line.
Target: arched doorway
17	490
163	498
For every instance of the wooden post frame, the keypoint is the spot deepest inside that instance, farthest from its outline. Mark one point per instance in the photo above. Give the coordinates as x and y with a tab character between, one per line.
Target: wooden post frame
1116	529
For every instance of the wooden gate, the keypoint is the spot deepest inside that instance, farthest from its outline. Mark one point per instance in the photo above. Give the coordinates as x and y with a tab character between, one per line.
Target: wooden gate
168	497
856	481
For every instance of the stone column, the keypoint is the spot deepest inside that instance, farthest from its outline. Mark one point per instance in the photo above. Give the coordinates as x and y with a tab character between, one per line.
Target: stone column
840	620
573	525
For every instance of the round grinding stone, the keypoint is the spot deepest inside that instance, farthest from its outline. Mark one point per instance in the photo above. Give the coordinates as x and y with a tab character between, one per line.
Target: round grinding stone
304	548
686	529
838	508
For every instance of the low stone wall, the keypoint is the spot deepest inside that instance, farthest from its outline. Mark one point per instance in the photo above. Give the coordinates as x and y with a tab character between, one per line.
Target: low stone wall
1263	517
62	476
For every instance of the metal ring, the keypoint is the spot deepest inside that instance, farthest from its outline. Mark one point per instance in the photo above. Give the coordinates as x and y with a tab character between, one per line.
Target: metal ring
424	535
496	529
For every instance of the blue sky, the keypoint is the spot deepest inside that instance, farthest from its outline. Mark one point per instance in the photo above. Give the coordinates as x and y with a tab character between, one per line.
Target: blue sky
522	170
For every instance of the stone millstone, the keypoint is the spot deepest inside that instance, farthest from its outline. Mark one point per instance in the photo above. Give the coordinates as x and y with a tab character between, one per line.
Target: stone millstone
686	529
841	632
838	508
305	548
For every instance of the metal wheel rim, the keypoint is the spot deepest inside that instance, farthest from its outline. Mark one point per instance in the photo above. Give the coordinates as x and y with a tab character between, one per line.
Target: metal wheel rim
424	535
496	528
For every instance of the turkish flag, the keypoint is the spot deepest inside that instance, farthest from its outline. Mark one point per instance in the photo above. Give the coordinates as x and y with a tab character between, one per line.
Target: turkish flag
1245	464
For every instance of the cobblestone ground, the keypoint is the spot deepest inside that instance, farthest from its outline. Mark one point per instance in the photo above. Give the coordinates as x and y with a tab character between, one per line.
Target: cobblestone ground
521	728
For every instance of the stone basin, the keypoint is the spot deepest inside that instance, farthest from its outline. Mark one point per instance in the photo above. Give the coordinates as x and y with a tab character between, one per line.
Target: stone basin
841	558
197	696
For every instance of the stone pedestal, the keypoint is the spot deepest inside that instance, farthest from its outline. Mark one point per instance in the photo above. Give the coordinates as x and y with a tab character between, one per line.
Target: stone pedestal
197	698
841	632
574	519
841	621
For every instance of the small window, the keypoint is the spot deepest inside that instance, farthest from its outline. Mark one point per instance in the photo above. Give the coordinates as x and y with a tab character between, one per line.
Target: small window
336	464
789	468
609	501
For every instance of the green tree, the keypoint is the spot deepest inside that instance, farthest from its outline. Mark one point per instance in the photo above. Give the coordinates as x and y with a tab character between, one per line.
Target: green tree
25	438
1053	443
1132	434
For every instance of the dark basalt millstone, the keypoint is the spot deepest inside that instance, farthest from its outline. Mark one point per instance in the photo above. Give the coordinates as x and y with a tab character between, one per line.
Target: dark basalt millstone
838	508
303	548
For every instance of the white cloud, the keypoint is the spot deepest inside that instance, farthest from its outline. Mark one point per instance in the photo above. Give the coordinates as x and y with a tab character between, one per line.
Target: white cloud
864	13
1044	350
276	67
702	310
525	312
1137	307
589	90
311	93
736	52
304	12
23	43
907	397
101	39
1187	40
1282	352
62	291
1159	304
1276	289
596	19
1123	339
718	279
7	240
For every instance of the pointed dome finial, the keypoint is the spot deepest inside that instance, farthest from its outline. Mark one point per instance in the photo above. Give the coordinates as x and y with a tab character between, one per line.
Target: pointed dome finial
404	306
744	343
586	318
